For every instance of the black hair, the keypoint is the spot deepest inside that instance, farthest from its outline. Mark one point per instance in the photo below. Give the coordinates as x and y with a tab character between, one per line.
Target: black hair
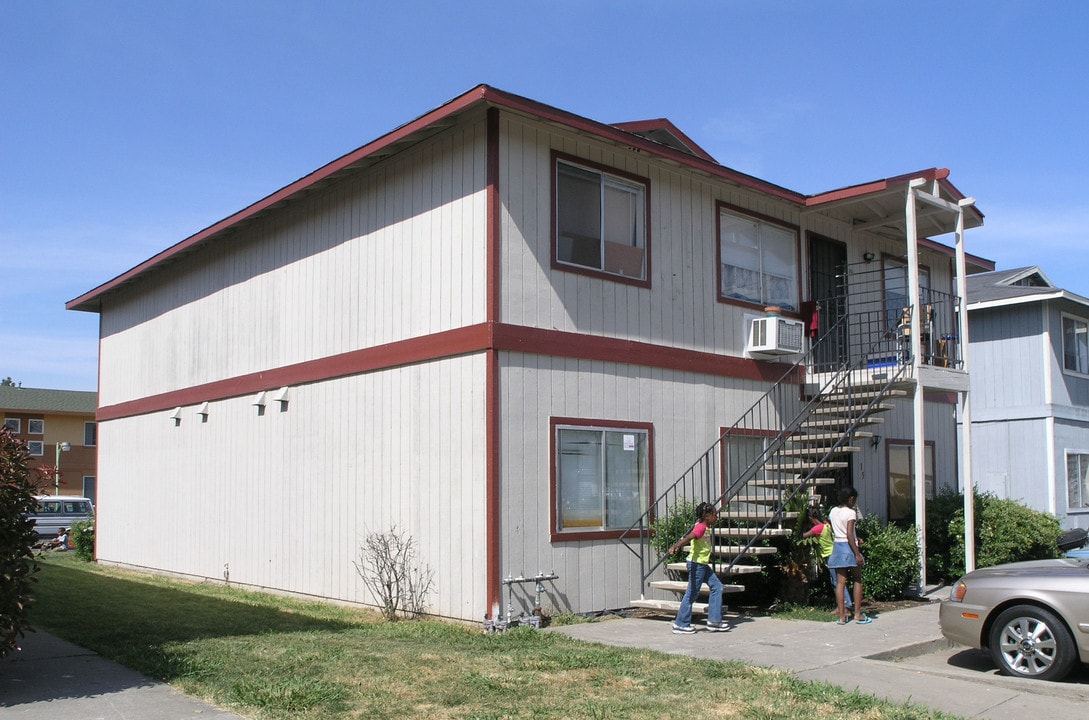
846	493
702	509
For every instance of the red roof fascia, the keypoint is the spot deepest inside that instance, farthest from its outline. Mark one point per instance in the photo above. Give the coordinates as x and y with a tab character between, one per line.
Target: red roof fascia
638	126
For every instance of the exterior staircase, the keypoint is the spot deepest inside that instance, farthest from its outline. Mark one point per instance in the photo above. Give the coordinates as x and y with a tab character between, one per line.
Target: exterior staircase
822	442
777	460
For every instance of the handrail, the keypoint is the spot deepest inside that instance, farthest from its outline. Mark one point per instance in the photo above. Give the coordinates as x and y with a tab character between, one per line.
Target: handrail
777	415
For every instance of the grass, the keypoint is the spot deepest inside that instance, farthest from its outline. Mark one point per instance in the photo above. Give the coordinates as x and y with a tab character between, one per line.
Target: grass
264	656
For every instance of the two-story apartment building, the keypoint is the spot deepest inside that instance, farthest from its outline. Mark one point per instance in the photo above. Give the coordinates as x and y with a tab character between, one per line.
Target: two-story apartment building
60	431
504	329
1029	344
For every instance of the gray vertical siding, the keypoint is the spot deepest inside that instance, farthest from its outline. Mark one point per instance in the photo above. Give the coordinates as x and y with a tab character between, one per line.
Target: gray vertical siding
284	500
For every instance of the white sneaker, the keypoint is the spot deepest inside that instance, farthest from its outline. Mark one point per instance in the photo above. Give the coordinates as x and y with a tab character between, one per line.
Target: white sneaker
718	627
683	629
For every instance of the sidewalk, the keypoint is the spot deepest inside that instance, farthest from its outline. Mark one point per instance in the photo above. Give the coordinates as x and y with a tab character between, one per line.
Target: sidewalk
50	679
901	657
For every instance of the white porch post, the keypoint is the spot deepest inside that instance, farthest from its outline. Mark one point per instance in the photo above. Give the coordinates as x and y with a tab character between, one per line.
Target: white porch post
965	397
919	434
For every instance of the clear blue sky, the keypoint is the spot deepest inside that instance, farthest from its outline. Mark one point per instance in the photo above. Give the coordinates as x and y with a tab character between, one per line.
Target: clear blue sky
125	127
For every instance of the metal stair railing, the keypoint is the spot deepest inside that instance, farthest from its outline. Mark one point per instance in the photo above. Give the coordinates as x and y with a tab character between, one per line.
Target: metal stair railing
761	435
735	448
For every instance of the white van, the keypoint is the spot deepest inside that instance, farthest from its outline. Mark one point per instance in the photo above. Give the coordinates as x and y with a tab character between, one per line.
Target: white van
60	511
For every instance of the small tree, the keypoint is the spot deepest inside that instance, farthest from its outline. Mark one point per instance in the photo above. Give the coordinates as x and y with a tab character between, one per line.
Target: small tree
386	566
17	564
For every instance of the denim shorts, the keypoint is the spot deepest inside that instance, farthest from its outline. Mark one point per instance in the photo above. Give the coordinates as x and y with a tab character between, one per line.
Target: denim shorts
842	556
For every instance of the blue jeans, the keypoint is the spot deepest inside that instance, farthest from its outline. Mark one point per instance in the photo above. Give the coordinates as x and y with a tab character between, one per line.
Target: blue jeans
697	576
847	602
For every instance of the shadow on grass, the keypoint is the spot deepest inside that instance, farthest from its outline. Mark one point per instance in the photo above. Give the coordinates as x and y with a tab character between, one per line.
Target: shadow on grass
146	624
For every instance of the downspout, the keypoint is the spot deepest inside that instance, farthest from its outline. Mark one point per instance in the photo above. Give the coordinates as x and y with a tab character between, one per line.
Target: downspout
919	400
967	485
492	467
1049	410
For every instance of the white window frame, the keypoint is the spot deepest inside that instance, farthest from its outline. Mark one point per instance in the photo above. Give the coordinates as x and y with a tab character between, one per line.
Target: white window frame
40	424
14	424
620	229
757	260
36	448
1077	491
86	426
607	505
1080	353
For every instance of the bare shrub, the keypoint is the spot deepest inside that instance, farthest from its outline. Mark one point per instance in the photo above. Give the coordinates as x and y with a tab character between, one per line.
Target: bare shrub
386	565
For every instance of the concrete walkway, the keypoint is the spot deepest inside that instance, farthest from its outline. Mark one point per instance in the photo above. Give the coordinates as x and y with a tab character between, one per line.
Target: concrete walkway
901	656
50	679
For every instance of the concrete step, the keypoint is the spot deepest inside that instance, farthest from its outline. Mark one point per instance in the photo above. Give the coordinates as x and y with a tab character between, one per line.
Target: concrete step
817	451
750	532
853	409
856	395
826	438
790	482
681	586
825	423
802	466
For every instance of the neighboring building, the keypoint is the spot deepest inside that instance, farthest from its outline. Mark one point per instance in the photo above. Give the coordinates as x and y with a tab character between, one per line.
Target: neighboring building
45	419
502	328
1029	355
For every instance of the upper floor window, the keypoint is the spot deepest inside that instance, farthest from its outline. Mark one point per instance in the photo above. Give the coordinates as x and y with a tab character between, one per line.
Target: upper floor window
90	434
601	472
1075	345
601	222
14	424
35	427
1077	480
758	261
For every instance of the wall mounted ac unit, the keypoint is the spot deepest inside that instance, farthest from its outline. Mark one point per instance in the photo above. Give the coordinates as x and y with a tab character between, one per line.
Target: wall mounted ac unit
774	335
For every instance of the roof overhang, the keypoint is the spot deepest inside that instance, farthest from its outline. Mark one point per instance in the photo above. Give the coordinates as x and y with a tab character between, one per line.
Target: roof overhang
1027	299
877	206
880	207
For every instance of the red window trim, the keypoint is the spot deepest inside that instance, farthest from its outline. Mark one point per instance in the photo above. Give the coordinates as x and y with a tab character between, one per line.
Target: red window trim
557	535
556	157
723	470
721	205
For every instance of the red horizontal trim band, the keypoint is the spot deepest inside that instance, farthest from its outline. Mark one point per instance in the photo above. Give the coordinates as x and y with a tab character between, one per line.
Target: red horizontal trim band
450	343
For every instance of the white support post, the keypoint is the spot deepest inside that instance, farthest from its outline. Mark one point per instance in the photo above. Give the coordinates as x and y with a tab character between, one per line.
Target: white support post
919	404
965	397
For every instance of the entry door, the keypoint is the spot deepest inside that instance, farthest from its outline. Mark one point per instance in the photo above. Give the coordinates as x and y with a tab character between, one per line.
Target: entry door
828	289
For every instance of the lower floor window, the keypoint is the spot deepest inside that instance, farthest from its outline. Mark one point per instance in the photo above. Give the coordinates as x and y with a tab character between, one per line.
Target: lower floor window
1077	479
602	476
902	479
36	448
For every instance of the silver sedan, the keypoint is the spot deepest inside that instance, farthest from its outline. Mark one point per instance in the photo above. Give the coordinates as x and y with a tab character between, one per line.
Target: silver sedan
1032	616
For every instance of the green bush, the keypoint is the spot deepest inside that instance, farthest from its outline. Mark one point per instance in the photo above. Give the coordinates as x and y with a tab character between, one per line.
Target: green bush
892	559
83	539
1006	531
671	526
941	510
17	535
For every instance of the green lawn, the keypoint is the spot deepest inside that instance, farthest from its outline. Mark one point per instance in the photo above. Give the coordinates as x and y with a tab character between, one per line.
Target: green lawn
263	656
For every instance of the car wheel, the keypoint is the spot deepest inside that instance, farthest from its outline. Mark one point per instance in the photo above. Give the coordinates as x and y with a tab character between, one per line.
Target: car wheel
1027	641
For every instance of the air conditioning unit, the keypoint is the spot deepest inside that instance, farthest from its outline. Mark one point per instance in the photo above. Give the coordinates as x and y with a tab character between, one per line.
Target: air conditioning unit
774	335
